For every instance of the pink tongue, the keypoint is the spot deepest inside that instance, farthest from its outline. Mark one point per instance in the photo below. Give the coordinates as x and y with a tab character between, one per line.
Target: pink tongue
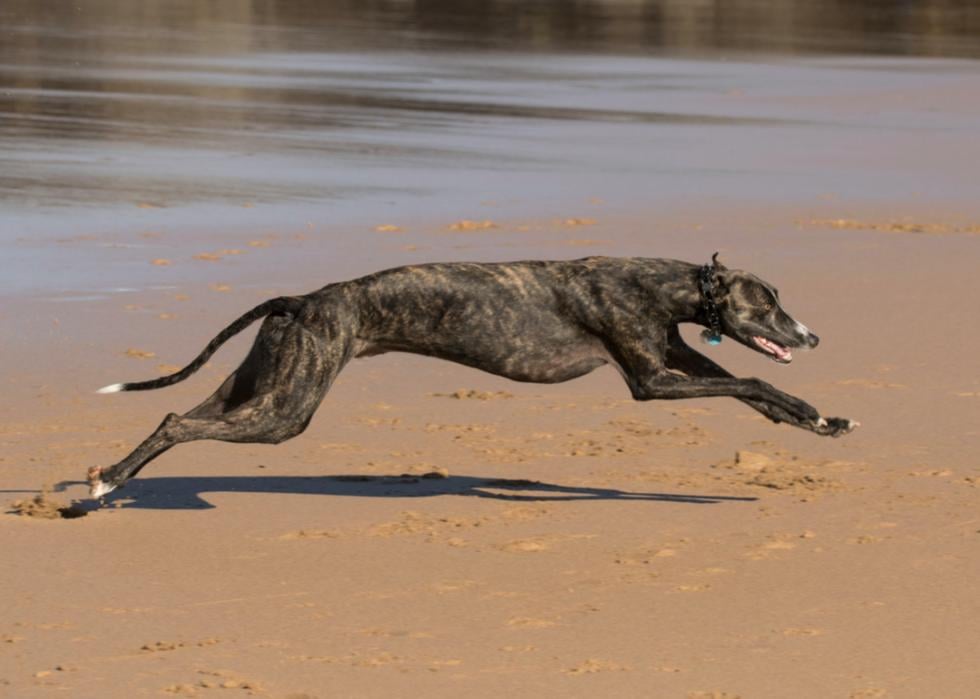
776	349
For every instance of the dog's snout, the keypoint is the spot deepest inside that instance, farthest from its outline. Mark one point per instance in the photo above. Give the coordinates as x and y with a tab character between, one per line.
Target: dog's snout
812	340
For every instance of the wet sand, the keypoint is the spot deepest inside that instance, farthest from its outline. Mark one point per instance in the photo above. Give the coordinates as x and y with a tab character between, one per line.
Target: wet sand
442	532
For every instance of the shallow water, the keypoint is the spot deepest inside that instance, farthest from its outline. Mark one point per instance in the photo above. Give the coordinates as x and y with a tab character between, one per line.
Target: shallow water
117	119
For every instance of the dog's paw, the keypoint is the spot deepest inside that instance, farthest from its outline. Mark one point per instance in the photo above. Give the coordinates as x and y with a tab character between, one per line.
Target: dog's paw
98	488
835	426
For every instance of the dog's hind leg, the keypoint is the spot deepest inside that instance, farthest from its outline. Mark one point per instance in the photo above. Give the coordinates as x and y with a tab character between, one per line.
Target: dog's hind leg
241	386
271	397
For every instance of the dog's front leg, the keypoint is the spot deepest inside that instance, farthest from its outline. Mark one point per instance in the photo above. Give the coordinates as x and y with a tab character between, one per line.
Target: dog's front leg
667	386
693	363
682	357
643	362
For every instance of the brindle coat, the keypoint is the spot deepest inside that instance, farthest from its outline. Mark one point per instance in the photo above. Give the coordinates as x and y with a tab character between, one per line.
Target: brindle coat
543	322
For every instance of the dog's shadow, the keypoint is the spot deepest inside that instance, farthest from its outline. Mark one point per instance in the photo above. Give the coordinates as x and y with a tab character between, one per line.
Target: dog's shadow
186	492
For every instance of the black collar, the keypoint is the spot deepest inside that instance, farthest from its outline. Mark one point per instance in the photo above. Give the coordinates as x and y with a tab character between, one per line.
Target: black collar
706	284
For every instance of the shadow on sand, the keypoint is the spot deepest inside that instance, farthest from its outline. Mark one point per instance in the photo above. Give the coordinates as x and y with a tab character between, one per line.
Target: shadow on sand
185	493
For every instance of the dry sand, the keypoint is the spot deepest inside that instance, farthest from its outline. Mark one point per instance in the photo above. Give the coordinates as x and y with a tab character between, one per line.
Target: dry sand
440	532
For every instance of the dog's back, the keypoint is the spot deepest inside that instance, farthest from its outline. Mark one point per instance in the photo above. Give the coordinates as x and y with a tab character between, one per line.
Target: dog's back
528	321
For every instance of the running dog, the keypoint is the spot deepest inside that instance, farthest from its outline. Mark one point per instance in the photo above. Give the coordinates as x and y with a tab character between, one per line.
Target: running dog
536	321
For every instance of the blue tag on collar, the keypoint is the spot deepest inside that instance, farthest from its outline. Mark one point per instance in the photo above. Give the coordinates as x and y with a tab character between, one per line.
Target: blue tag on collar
710	337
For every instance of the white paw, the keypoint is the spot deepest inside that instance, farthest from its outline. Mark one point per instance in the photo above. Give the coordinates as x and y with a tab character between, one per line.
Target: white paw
834	426
99	489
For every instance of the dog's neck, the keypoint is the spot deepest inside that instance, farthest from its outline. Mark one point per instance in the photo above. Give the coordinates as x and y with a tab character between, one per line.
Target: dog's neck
687	300
710	317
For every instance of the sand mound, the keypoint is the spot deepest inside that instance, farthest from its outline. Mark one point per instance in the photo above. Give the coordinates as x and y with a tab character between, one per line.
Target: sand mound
43	506
473	394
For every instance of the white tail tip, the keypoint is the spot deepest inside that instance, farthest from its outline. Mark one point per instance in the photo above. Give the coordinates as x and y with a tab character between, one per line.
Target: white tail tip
112	388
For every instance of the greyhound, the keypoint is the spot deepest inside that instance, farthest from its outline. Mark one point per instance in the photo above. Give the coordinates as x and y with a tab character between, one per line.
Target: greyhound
535	321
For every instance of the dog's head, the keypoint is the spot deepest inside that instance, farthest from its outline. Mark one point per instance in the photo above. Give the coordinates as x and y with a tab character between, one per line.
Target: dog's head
749	312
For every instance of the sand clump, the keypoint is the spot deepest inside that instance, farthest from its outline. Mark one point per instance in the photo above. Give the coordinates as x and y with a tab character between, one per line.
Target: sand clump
309	534
43	506
594	665
217	255
166	646
579	222
895	226
473	394
468	225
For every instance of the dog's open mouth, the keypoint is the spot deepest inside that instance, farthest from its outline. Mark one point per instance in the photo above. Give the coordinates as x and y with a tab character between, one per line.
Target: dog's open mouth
773	349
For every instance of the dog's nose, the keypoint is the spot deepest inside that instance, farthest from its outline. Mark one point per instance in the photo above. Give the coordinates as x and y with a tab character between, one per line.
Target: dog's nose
812	340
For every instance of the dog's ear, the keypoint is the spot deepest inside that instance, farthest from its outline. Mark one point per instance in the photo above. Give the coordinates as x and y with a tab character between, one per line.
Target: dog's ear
723	279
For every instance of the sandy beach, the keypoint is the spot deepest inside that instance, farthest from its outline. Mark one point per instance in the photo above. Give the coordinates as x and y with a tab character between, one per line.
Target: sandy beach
438	531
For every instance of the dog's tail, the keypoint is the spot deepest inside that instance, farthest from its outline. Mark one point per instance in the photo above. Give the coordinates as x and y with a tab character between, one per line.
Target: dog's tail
277	306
